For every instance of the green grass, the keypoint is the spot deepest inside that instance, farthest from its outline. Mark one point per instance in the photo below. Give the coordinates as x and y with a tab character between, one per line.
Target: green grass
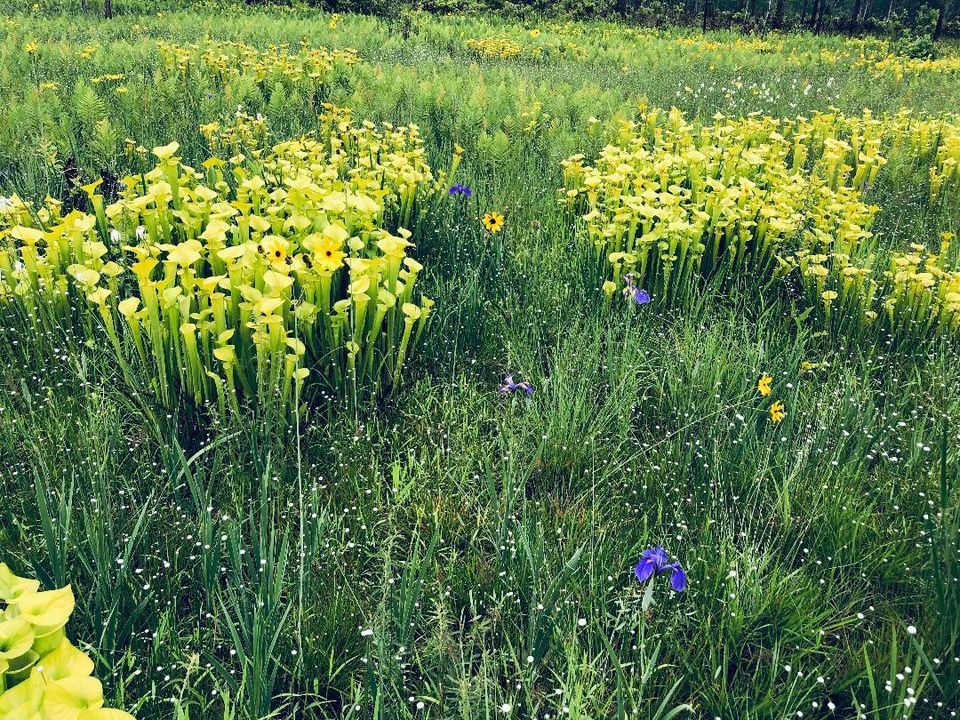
453	547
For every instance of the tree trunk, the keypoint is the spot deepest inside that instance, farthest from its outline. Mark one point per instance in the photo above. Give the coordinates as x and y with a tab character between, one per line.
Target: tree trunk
108	9
890	10
855	15
778	13
941	18
706	9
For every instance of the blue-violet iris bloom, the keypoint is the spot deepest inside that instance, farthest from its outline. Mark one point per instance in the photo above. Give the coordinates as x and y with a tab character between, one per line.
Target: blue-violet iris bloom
509	386
459	189
631	291
654	561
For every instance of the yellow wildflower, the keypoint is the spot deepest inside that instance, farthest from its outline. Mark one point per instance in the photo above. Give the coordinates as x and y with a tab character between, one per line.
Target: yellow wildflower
763	385
777	412
493	221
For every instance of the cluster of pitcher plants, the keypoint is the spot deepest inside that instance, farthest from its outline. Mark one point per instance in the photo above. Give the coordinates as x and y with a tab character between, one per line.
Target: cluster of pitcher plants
242	278
672	202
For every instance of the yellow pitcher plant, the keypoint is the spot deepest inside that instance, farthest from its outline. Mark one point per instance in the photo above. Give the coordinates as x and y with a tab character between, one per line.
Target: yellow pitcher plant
43	676
671	202
246	276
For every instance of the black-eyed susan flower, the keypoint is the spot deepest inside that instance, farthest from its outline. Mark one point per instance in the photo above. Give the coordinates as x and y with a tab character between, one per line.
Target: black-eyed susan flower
326	248
777	412
275	248
763	385
493	221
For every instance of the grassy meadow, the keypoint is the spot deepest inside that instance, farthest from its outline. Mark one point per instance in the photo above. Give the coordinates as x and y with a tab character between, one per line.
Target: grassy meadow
357	368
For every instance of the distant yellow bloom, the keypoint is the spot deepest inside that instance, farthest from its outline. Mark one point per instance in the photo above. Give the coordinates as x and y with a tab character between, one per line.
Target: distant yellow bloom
535	32
777	412
493	221
763	385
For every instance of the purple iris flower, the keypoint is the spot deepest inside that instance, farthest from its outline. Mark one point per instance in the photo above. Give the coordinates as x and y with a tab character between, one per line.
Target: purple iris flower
459	189
631	291
509	386
654	561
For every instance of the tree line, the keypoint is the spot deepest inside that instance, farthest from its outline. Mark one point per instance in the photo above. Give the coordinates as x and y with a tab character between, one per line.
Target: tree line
898	19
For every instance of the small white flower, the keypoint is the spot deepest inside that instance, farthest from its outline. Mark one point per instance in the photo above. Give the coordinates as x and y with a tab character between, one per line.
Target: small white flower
141	232
115	236
506	707
366	633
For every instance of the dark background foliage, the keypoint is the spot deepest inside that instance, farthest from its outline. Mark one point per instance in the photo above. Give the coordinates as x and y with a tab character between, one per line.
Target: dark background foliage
913	22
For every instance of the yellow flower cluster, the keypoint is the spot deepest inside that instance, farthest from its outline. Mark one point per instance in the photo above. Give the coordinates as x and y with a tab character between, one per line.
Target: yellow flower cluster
638	47
869	54
42	674
495	47
744	44
924	293
226	59
246	134
917	296
246	276
672	202
777	409
899	66
112	77
945	174
532	44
